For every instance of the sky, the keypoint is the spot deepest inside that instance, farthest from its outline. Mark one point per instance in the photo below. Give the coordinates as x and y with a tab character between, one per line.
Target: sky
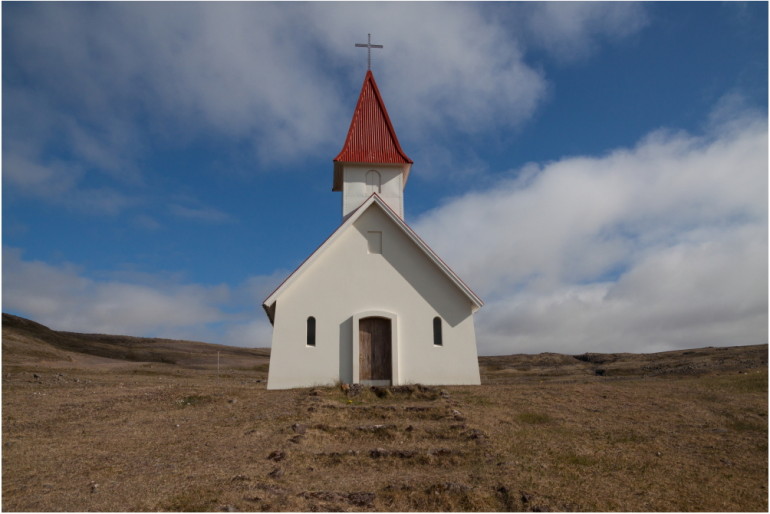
596	172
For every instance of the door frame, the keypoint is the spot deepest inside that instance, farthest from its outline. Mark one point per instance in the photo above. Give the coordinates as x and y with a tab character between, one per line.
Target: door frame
393	318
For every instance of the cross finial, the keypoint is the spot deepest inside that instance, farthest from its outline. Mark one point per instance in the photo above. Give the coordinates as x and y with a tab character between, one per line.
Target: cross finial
368	47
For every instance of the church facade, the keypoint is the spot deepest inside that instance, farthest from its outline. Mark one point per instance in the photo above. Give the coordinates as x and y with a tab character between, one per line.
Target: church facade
373	304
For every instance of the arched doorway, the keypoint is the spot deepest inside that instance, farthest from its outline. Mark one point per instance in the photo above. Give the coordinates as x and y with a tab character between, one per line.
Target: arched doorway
375	351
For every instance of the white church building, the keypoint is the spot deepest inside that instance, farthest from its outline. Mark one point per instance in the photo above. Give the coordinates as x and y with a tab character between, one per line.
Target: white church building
373	304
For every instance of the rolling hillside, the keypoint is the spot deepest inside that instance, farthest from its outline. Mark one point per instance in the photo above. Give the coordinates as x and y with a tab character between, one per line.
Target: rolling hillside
26	342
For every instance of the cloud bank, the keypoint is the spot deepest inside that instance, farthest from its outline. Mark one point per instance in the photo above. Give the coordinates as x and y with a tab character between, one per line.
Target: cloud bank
63	297
656	247
111	80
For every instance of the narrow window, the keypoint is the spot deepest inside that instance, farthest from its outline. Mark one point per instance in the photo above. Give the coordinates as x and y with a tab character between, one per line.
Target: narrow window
373	182
374	242
311	331
438	340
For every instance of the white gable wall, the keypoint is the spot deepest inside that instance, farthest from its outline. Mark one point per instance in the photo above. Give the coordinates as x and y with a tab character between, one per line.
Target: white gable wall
343	282
355	190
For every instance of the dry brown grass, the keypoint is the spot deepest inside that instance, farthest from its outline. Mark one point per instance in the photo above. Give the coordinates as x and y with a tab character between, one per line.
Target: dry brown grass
85	435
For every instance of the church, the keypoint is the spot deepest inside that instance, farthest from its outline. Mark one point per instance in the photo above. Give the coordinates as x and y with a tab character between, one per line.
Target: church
373	304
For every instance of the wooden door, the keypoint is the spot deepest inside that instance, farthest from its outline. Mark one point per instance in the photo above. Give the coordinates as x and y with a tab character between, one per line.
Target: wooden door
374	349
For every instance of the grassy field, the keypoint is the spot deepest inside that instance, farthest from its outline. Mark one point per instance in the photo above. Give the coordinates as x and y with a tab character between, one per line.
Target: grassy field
89	429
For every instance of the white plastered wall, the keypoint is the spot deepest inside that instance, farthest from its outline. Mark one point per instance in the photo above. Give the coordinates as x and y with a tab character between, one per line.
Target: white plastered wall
346	283
355	191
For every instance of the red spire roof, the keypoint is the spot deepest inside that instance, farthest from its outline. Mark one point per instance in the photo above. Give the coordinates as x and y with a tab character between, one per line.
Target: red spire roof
371	138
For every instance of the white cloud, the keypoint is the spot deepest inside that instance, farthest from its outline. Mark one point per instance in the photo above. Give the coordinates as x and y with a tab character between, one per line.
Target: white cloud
139	304
62	297
660	246
256	333
444	66
113	79
61	183
53	156
571	31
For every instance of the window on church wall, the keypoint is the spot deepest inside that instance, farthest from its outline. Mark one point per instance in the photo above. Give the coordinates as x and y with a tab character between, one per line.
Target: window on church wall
373	182
311	331
438	339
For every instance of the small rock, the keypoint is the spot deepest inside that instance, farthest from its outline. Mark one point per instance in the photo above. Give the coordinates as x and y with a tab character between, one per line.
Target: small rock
232	400
375	428
239	478
457	415
276	473
355	390
452	486
345	387
277	456
227	508
380	452
297	438
94	487
382	392
314	392
475	434
35	376
299	428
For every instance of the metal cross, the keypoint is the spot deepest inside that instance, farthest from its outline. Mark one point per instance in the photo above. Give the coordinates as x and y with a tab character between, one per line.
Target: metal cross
368	47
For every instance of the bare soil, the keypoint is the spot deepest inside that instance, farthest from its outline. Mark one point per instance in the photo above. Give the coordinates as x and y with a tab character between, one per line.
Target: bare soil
113	423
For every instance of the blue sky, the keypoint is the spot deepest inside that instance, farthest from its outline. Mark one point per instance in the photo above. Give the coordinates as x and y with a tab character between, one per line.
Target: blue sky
596	172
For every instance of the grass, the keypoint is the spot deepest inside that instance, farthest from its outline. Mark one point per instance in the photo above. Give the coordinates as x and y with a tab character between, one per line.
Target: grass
194	399
754	382
83	434
618	445
578	460
534	418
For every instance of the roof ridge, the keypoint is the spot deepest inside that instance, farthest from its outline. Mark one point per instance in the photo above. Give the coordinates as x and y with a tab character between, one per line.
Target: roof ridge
398	220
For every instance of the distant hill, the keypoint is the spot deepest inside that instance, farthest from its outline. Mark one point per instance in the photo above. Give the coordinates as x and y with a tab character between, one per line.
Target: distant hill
608	366
25	341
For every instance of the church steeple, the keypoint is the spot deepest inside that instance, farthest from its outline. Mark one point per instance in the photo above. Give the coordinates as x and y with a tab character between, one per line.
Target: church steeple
371	146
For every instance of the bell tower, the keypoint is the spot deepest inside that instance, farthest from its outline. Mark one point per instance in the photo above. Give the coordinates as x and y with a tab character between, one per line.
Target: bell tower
371	160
